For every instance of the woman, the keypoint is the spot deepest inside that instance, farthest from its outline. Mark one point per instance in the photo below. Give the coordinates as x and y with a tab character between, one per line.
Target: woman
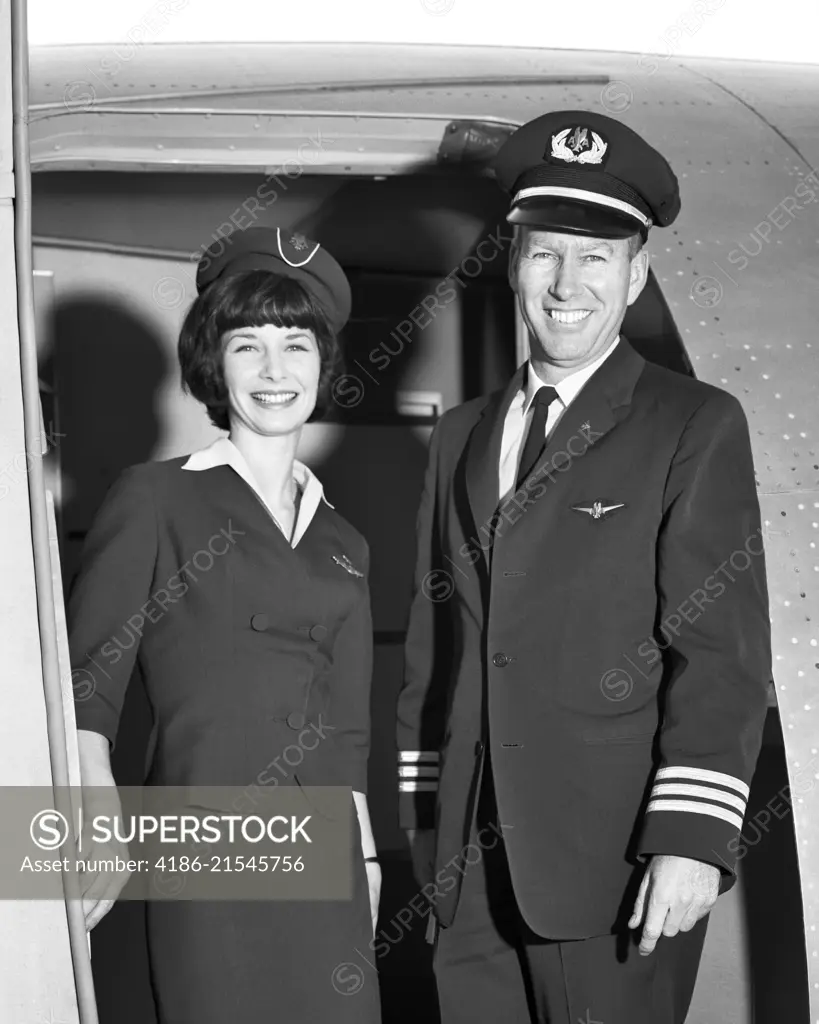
243	596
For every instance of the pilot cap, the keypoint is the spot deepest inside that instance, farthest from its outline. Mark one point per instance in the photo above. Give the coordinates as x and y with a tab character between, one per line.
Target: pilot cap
583	173
284	253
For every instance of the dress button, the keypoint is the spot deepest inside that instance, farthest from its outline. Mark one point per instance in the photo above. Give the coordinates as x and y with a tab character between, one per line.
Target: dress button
500	660
260	622
295	720
318	633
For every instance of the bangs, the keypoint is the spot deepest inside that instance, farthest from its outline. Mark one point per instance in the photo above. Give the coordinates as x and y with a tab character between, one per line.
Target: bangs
257	298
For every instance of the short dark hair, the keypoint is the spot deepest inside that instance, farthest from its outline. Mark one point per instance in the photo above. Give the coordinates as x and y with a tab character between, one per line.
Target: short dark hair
253	298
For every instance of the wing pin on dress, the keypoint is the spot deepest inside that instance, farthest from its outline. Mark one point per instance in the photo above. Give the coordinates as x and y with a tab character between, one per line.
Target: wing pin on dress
345	563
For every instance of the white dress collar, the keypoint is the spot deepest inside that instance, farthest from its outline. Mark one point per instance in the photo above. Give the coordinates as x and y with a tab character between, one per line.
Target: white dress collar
223	452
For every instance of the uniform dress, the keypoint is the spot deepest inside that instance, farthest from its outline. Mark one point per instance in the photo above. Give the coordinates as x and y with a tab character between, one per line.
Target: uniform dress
244	640
593	690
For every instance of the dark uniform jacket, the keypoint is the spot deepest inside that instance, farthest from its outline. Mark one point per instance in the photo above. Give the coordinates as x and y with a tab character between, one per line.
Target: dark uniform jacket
606	632
247	645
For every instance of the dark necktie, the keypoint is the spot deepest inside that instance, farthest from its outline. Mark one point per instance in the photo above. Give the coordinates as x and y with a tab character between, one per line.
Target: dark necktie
536	438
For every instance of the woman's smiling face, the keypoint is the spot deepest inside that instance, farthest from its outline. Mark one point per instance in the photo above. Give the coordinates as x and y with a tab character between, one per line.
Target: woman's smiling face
271	375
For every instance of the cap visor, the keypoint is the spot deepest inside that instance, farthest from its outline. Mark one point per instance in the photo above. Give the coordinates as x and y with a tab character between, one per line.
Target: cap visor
574	218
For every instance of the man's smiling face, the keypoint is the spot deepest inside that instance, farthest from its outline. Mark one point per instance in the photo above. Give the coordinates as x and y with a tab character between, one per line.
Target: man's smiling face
573	292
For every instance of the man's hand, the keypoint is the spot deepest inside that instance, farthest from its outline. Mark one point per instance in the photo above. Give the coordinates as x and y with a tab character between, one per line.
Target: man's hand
675	893
422	850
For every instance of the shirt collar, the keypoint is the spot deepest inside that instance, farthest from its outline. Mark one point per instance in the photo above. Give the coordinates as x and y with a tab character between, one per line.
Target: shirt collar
223	452
569	388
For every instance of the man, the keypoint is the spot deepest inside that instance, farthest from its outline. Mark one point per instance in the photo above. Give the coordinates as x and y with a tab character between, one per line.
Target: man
588	648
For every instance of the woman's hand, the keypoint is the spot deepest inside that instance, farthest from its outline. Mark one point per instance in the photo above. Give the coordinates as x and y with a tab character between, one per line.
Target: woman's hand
374	884
100	888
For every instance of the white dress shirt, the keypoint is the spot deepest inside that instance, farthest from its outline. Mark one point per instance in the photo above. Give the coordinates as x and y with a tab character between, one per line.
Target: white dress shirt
224	452
519	416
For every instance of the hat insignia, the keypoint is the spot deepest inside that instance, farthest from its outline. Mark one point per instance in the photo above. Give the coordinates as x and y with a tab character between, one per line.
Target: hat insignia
299	243
578	145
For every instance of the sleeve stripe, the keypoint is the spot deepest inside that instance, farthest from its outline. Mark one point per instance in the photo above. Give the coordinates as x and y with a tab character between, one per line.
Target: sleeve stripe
704	792
416	756
414	771
693	807
415	786
703	776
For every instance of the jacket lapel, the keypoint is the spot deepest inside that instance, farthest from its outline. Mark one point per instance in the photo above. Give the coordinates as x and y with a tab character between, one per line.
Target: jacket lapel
483	459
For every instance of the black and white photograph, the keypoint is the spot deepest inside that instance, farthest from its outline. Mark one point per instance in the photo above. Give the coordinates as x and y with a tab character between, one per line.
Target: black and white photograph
409	508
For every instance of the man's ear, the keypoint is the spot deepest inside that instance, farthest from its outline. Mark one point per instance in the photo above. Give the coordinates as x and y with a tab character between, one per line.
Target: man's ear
638	275
514	256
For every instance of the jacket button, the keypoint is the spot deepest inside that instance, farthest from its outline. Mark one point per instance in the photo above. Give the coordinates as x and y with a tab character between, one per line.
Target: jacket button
500	660
478	749
260	622
295	720
318	633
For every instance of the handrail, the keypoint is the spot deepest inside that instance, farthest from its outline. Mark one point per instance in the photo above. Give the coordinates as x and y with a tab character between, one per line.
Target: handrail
55	717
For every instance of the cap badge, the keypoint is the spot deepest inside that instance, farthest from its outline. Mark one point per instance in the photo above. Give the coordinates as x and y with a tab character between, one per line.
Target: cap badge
578	145
298	243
